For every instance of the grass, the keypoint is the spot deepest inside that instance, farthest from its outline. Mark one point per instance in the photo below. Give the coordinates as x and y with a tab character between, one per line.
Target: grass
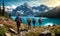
57	31
2	31
32	33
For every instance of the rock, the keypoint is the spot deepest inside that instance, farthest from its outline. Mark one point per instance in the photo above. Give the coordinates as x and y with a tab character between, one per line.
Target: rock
47	31
29	30
1	25
23	33
7	34
12	31
53	34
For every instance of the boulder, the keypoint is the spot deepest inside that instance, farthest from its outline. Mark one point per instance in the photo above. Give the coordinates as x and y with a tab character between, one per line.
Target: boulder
12	31
45	33
7	34
1	25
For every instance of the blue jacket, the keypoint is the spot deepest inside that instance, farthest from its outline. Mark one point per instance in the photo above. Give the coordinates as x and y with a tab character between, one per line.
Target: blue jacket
17	19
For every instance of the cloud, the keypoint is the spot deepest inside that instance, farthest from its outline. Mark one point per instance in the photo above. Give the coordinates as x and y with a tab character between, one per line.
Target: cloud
37	2
10	8
34	3
13	6
50	3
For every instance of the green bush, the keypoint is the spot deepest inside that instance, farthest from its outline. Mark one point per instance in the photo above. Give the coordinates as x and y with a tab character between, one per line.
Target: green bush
31	33
2	31
57	31
11	34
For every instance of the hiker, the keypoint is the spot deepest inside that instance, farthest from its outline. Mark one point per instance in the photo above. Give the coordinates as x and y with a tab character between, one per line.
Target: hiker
40	21
29	23
18	23
20	20
34	21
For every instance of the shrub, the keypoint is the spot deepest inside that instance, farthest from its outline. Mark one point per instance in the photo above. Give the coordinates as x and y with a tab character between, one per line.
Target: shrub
2	31
31	33
57	31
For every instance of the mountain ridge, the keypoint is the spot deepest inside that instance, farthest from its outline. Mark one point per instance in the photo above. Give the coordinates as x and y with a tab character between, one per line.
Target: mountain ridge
54	13
27	10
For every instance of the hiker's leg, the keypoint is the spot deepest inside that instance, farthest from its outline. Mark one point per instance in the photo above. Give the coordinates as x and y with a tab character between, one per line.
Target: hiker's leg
18	28
34	25
39	25
30	26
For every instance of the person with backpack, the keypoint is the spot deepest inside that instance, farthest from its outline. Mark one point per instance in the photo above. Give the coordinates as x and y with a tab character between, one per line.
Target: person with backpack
40	21
34	21
29	23
18	23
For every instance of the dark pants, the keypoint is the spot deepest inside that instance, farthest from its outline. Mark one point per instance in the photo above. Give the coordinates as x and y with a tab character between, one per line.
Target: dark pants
18	26
40	24
29	26
34	25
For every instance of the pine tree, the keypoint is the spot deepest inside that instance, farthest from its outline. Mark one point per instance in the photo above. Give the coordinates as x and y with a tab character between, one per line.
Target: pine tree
3	11
0	9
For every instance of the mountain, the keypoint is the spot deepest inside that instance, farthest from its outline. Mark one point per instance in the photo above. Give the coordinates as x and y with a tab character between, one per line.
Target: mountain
41	7
27	10
24	9
54	13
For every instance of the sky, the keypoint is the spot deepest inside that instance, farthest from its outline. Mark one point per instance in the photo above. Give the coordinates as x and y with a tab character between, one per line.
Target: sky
15	3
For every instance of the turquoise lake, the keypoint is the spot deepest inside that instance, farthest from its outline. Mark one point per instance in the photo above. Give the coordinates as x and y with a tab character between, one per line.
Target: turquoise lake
45	21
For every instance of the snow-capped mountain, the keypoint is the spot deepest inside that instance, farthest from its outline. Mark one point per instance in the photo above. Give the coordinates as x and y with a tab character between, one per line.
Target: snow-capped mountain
27	10
24	9
40	8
